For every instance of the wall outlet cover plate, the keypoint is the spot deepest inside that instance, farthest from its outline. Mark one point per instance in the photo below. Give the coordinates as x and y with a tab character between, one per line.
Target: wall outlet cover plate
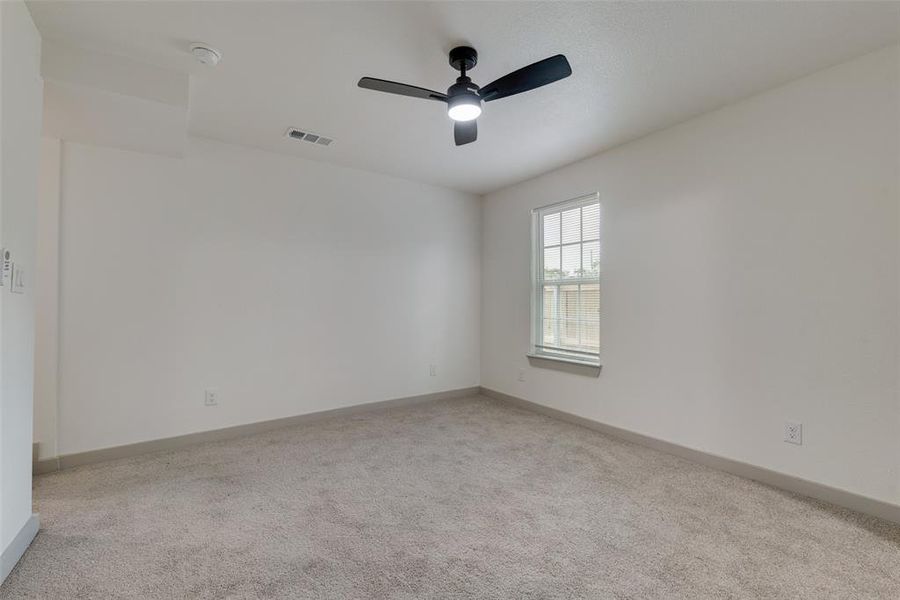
793	433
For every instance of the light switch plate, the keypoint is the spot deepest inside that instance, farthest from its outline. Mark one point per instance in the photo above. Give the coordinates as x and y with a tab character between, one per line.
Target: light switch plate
6	267
17	285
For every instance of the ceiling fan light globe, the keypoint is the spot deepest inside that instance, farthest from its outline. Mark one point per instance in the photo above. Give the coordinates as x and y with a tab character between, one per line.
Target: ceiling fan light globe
464	107
464	112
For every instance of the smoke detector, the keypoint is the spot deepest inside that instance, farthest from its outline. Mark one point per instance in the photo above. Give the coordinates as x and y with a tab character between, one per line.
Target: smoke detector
206	54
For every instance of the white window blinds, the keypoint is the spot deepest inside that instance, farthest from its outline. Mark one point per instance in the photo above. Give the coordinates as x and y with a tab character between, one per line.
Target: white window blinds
566	295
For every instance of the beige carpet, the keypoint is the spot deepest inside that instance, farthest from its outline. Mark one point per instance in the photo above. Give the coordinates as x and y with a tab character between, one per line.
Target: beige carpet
452	499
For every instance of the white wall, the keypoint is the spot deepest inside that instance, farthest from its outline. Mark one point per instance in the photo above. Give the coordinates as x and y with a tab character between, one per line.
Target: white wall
46	291
20	127
289	286
750	277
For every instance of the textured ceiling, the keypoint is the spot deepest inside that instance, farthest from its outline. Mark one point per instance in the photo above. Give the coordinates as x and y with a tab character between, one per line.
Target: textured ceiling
637	67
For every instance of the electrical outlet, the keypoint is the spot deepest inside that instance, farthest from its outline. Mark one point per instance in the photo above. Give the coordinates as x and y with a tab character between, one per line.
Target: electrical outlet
793	433
521	376
432	370
211	398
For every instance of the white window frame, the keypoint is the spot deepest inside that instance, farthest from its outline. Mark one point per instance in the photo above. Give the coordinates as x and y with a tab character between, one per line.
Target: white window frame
537	283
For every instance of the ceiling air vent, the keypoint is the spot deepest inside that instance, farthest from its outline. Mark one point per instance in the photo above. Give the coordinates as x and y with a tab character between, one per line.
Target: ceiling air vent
306	136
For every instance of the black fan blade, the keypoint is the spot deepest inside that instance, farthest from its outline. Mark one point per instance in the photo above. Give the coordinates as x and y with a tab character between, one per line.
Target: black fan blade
392	87
465	132
527	78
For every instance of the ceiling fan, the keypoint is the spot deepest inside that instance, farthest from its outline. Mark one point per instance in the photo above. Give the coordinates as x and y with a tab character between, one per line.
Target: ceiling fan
464	98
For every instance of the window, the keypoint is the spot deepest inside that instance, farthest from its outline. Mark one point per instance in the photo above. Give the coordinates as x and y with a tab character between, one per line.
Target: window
566	294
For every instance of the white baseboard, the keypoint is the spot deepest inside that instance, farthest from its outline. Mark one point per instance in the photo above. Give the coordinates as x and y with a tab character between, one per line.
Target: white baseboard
851	500
65	461
864	504
18	546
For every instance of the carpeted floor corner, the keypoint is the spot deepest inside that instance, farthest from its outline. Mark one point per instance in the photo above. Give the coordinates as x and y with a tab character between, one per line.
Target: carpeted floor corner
451	499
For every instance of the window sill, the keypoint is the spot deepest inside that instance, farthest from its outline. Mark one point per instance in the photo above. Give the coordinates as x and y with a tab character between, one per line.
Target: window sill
564	363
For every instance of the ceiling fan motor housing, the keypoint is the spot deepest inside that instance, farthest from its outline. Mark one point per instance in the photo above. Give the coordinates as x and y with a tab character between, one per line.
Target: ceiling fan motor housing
463	86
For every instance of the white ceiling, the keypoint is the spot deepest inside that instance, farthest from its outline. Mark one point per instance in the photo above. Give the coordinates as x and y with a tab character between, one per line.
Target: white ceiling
636	67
